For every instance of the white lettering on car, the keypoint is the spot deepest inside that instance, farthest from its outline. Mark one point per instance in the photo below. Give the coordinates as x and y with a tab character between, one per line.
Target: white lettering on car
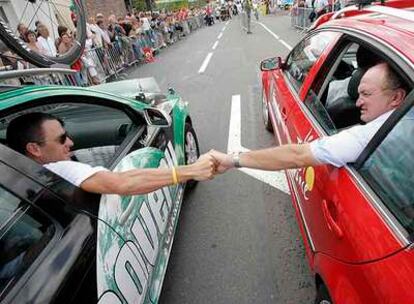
130	276
110	297
136	258
147	237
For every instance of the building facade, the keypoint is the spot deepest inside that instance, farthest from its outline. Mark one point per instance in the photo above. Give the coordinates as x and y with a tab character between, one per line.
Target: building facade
106	7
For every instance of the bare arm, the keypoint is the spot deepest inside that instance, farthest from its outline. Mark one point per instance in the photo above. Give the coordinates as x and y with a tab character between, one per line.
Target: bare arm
140	181
277	158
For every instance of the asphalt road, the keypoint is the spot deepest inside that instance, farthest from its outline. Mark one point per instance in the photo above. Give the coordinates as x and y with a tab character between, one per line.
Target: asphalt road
237	239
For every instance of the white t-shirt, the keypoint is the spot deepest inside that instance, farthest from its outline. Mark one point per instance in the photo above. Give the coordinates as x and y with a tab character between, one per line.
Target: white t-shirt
74	172
347	145
146	26
47	46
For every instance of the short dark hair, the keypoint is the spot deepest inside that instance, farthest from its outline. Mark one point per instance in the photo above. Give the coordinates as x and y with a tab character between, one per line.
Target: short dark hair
27	128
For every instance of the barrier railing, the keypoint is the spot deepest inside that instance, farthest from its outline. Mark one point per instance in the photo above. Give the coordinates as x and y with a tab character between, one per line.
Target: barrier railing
299	17
101	64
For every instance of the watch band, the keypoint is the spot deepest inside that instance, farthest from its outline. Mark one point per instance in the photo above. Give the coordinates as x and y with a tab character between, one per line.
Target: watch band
236	160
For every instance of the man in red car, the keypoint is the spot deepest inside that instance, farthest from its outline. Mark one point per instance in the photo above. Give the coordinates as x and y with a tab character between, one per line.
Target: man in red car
380	92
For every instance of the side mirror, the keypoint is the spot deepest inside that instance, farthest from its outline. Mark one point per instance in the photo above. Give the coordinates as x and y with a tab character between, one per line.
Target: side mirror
271	64
157	117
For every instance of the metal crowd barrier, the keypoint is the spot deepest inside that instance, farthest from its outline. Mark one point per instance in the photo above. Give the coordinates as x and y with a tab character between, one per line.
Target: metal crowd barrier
101	64
299	17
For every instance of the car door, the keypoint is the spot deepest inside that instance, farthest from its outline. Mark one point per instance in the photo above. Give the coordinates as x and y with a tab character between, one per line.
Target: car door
335	207
288	83
38	228
146	223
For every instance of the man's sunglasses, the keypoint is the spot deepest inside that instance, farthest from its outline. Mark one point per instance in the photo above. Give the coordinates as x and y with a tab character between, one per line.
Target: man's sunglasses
61	139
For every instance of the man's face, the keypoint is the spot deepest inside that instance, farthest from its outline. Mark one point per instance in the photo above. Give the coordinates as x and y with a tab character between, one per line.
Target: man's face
374	98
56	144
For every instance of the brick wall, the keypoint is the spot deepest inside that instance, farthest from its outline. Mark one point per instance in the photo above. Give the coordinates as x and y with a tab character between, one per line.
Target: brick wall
106	7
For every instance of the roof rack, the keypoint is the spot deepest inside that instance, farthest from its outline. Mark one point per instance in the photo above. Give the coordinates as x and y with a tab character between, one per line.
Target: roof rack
389	8
35	72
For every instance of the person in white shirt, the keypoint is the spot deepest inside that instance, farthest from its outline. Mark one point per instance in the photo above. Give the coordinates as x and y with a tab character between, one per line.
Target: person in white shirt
42	137
380	92
45	42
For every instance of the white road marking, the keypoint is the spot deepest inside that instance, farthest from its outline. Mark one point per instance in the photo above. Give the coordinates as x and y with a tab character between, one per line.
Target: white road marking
276	36
267	29
220	35
223	28
215	45
205	63
276	179
227	22
234	142
285	44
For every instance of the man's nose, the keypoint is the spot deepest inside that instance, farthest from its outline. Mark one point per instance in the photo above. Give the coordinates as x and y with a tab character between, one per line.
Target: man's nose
69	142
358	102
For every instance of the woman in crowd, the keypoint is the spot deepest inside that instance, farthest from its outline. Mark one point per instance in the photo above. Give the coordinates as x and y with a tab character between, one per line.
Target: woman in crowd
32	42
65	44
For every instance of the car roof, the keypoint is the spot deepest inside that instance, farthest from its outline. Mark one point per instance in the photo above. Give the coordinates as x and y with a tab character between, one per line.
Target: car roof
23	94
398	31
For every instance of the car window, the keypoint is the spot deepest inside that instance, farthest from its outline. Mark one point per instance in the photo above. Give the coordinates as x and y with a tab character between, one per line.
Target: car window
336	86
389	171
97	131
304	56
24	232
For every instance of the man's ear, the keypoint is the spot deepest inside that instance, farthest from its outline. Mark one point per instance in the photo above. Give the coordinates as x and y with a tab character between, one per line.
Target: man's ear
398	97
33	150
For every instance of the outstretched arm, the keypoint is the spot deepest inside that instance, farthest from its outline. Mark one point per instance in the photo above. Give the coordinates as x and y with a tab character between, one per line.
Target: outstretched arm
141	181
277	158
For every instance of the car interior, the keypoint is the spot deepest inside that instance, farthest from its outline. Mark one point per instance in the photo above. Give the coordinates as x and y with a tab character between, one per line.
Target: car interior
96	130
334	97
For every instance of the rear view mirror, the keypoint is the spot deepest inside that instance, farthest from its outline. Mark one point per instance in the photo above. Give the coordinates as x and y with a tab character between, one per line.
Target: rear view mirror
271	64
157	117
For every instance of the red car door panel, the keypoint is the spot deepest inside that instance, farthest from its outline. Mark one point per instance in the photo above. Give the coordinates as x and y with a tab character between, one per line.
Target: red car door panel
340	218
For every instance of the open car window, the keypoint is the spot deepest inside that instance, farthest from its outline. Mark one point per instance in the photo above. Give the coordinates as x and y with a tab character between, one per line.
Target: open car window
335	89
97	131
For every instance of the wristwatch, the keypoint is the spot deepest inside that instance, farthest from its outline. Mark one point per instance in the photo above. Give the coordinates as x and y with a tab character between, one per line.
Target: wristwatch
236	160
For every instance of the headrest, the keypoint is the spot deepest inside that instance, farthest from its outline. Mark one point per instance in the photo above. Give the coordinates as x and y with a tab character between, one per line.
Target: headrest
354	83
366	58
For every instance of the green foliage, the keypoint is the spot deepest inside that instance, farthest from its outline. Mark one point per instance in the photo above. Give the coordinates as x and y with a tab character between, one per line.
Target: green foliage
140	5
171	6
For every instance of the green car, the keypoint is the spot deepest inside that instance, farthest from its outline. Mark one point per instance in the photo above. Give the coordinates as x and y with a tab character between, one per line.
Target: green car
92	248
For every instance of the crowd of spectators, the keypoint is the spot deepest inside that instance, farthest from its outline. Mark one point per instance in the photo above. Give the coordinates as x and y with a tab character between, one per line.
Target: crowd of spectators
112	43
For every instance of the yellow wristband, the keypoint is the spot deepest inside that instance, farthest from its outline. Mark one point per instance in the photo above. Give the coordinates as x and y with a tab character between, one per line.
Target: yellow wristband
174	176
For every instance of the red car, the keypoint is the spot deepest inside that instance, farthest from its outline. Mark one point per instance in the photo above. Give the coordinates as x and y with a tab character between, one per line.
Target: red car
357	221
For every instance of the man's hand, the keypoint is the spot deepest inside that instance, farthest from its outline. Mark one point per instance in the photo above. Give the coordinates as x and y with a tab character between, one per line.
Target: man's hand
204	168
224	161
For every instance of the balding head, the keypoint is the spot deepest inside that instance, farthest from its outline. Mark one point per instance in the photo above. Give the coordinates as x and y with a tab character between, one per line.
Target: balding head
380	91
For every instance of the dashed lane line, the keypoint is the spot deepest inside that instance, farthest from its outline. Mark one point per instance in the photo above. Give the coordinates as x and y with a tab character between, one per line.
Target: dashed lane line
205	63
215	45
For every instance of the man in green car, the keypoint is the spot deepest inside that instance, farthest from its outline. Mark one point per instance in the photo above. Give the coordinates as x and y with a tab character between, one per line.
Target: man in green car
42	137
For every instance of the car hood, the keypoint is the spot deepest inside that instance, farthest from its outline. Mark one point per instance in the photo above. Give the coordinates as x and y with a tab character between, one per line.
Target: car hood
130	88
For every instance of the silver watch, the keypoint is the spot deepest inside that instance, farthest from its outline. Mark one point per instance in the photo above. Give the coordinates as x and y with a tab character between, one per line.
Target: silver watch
236	159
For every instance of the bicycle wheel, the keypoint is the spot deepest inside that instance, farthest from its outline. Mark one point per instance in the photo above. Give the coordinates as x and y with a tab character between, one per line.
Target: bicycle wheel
36	15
